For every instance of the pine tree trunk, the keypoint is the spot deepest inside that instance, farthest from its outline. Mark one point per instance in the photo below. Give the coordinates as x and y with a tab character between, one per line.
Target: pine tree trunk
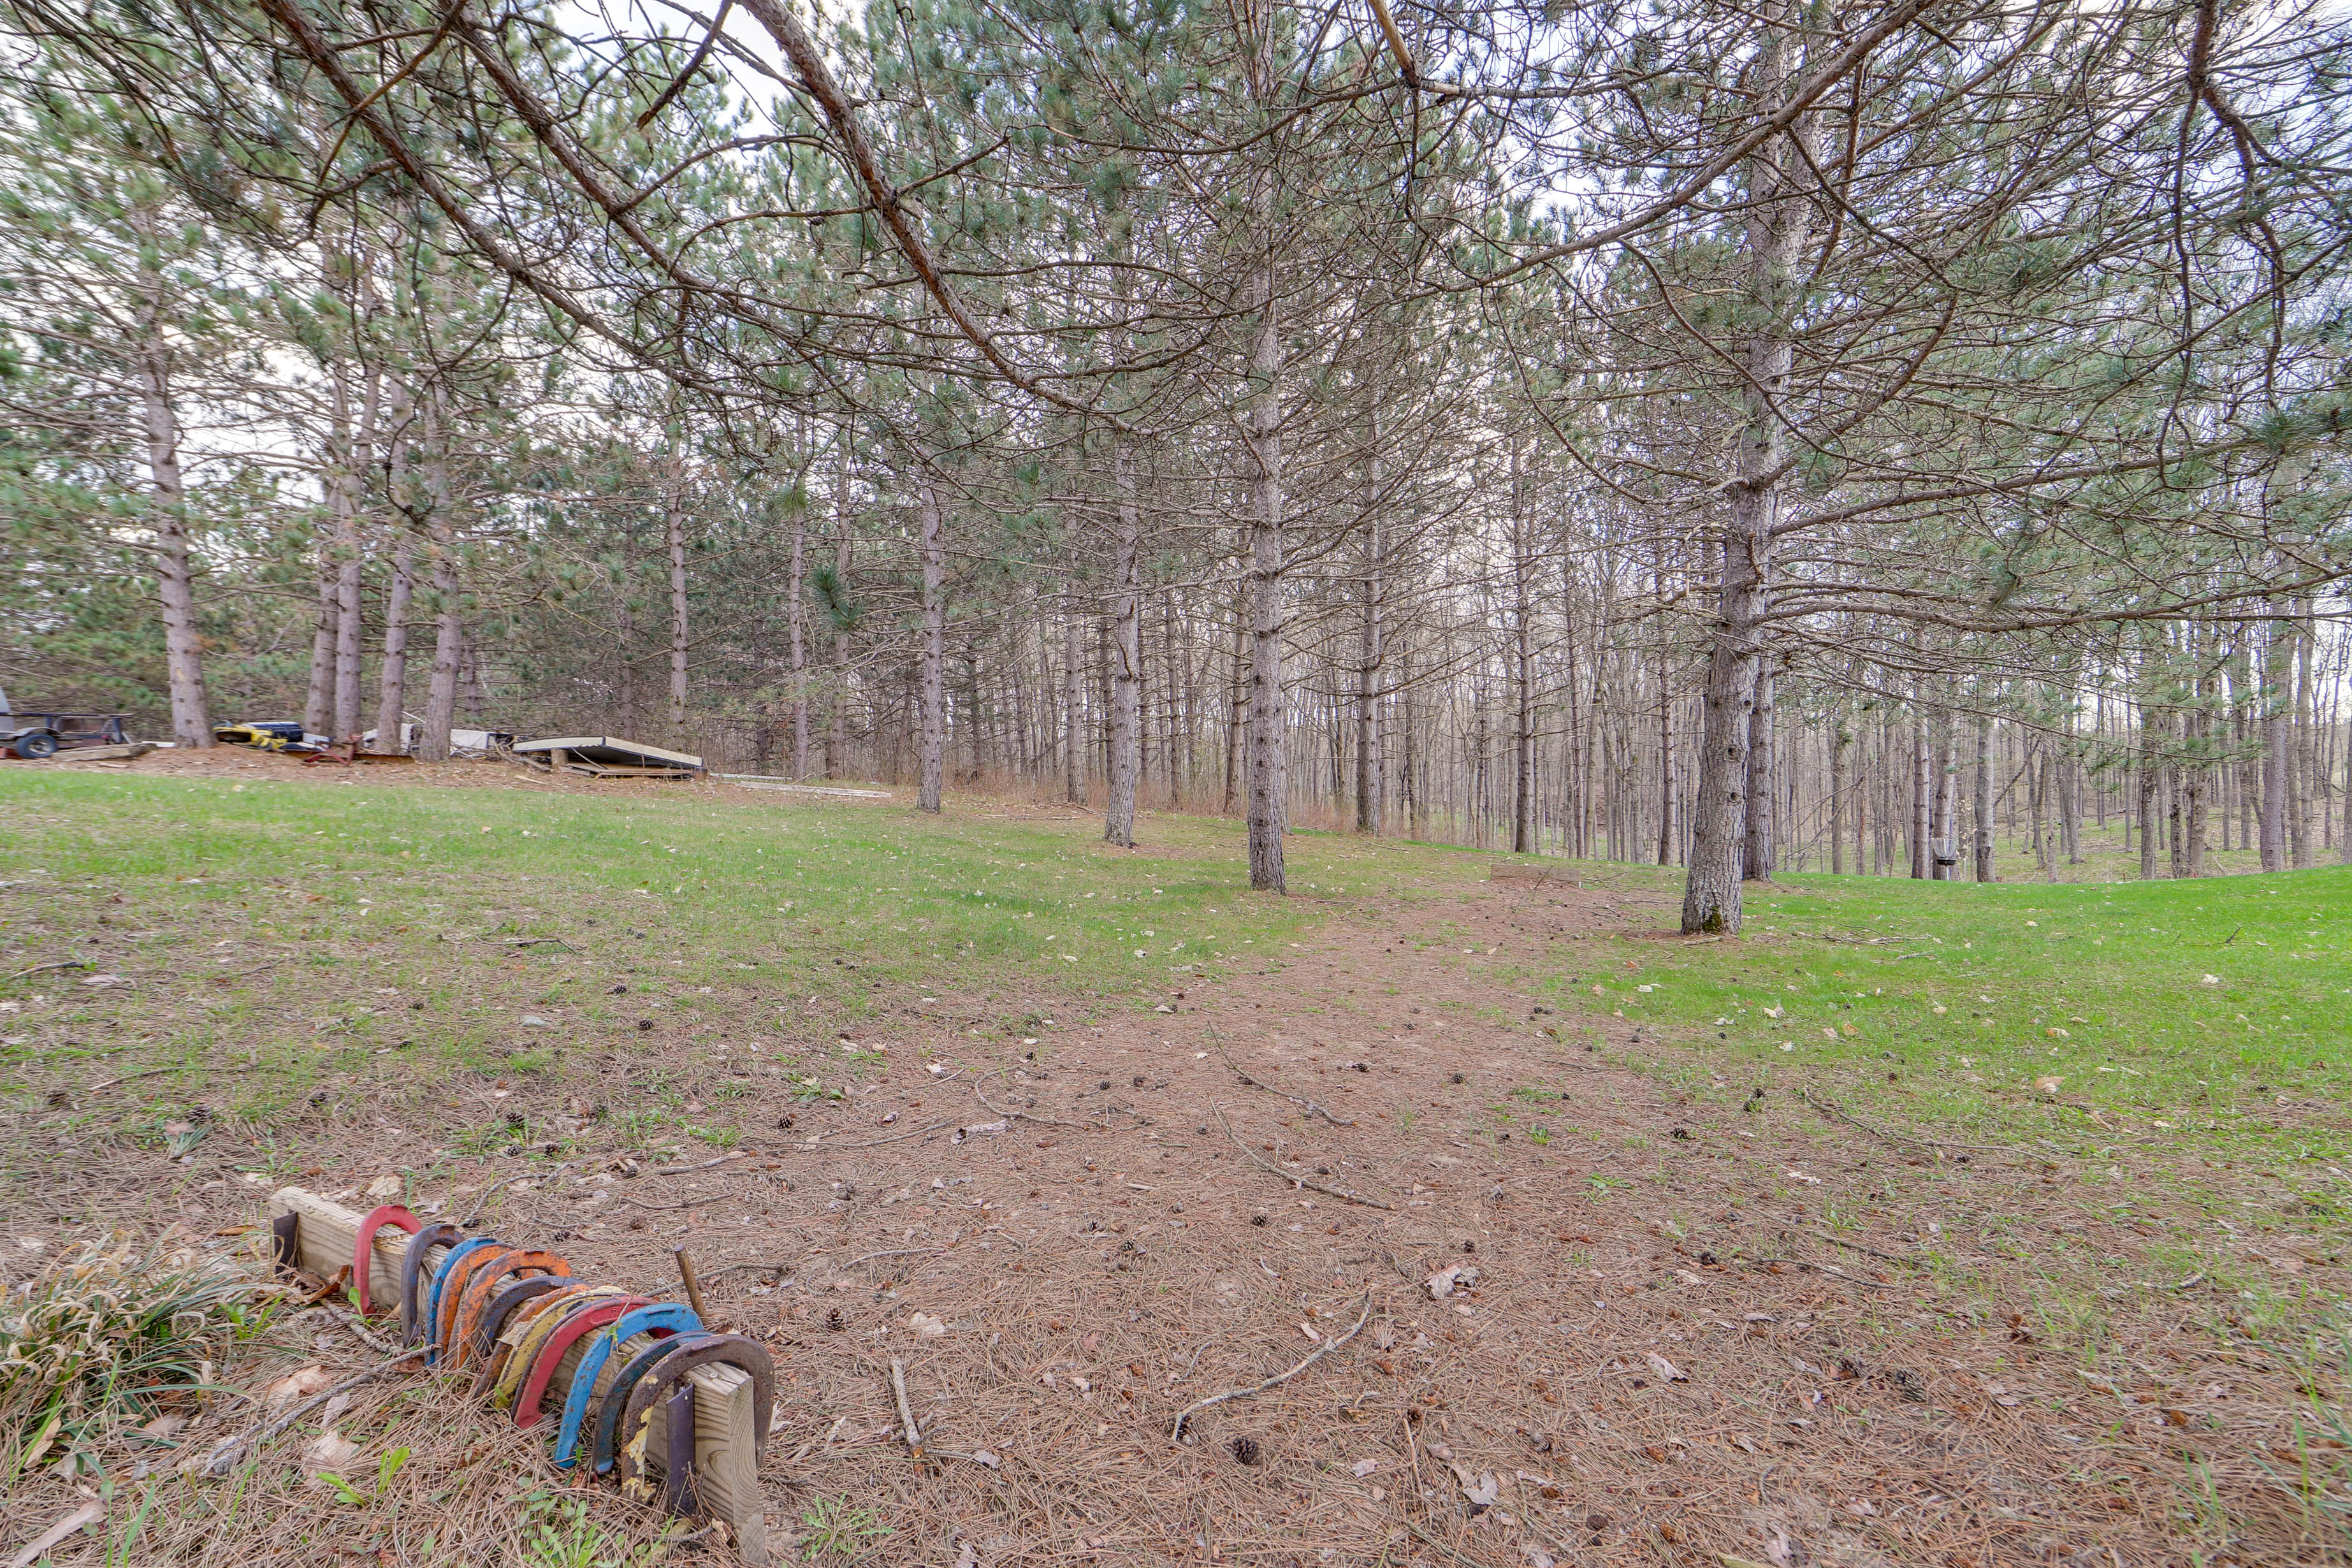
1269	781
391	677
2276	747
1987	871
2302	773
449	632
350	626
1074	688
1839	742
1371	764
1778	219
1944	831
931	738
796	630
191	725
1921	859
674	541
1756	853
1126	656
836	720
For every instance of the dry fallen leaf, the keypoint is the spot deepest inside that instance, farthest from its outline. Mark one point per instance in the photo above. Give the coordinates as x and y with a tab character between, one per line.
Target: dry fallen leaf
926	1326
1363	1467
384	1186
2048	1083
328	1451
1667	1369
300	1384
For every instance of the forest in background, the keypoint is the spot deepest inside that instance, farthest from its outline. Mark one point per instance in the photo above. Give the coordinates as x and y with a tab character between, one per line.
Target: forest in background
1806	435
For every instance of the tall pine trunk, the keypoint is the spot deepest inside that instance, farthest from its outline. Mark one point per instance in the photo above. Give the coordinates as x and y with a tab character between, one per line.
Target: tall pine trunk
1779	221
1986	869
350	623
1126	654
448	609
1371	765
1269	782
1758	853
931	738
191	725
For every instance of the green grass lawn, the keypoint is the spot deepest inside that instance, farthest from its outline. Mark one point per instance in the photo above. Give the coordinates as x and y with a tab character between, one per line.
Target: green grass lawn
317	933
2209	1017
313	934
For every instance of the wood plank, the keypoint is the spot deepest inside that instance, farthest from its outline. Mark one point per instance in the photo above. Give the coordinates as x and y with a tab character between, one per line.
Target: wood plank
726	1451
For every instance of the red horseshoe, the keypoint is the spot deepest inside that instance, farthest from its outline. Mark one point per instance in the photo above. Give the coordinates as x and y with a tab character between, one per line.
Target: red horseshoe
363	1254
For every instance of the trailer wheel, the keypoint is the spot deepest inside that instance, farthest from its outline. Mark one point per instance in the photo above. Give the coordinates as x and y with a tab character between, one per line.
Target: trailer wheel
36	746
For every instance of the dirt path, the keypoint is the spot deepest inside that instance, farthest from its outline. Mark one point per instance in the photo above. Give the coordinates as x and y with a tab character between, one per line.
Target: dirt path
1687	1324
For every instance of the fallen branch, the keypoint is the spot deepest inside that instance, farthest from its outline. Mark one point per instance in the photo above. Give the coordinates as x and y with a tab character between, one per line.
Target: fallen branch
1296	1181
1328	1346
877	1142
1025	1116
487	1193
1853	940
688	1170
535	941
229	1450
1865	1251
360	1330
151	1072
1835	1112
44	968
896	1252
913	1434
1309	1106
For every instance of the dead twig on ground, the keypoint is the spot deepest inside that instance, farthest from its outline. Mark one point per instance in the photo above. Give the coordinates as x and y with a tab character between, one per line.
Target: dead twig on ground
877	1142
707	1165
912	1432
1026	1116
229	1451
487	1193
1865	1251
151	1072
1177	1431
359	1331
1835	1112
1853	940
534	942
1309	1106
1296	1181
46	968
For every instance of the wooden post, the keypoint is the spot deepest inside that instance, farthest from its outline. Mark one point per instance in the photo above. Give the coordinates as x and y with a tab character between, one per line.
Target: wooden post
726	1453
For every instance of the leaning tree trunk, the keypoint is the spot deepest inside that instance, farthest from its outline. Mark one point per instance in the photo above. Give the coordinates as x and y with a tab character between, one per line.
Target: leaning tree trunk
932	739
192	724
1126	656
1778	228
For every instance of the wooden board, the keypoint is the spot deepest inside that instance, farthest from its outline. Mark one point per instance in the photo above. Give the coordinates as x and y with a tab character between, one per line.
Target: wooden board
726	1452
